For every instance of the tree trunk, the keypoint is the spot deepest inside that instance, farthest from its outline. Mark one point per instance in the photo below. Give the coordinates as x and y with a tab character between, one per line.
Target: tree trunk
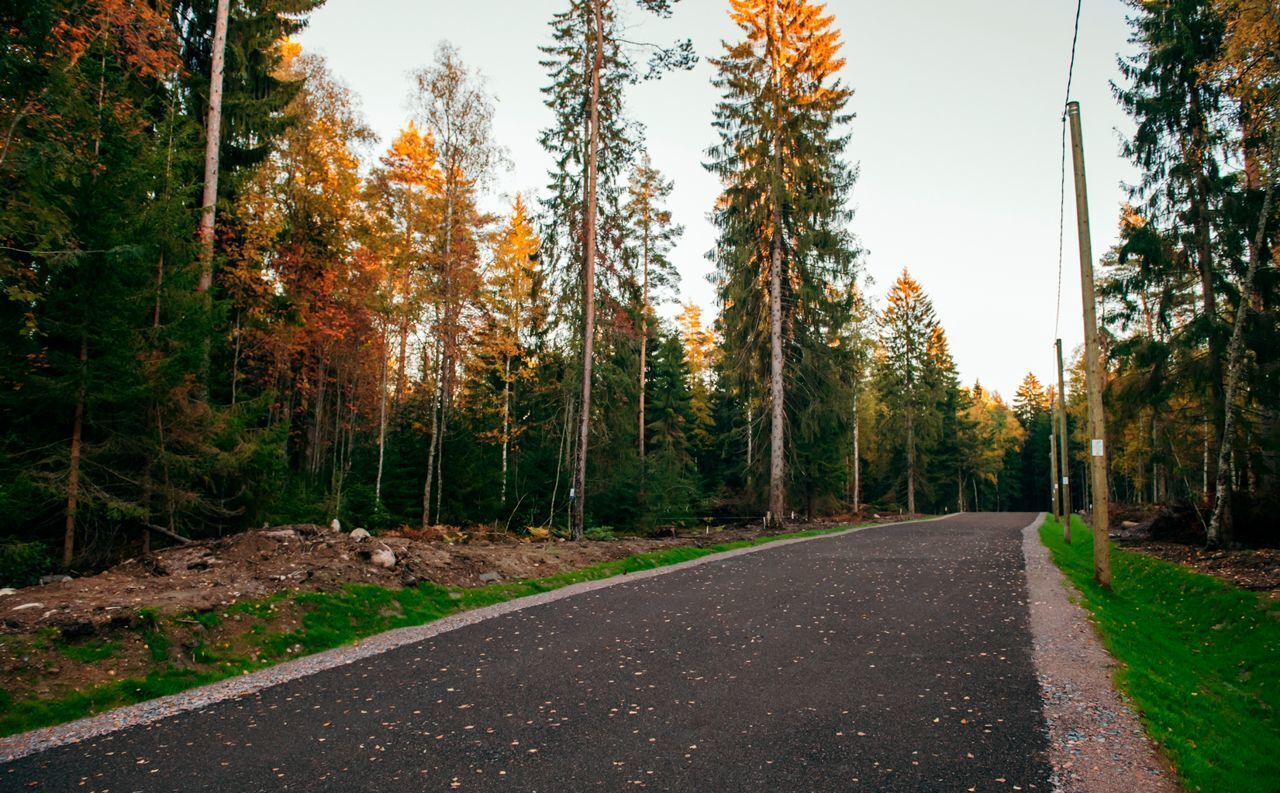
1199	197
235	362
1204	469
560	458
506	423
857	462
911	463
777	470
644	338
431	449
777	462
1219	525
73	466
382	420
579	494
447	330
401	362
209	200
444	420
147	495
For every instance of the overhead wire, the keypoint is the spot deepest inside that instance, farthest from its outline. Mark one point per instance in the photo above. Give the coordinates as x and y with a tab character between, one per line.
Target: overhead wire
1062	177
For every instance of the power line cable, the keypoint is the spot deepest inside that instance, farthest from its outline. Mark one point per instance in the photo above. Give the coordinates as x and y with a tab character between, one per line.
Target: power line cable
1062	177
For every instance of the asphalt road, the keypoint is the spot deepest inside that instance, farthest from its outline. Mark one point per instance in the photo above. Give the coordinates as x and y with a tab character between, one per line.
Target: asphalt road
892	659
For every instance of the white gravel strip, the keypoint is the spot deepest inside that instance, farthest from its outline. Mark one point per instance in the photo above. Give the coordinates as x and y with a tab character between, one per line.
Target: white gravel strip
28	743
1096	743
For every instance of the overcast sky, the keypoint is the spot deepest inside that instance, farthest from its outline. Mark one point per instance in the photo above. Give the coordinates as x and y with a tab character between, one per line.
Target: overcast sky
957	138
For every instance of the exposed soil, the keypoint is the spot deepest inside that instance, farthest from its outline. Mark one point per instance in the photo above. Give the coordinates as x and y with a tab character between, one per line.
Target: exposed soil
1257	569
1174	534
73	635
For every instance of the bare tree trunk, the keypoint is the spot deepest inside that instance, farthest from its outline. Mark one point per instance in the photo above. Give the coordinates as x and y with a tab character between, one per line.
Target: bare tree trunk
777	462
1204	472
579	495
911	463
209	200
857	462
560	457
73	467
446	333
444	420
335	472
315	453
1209	301
431	450
382	419
644	340
147	495
777	469
402	361
506	422
1219	525
235	362
750	429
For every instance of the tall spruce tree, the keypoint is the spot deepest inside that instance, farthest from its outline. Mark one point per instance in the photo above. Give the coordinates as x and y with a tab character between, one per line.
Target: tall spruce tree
654	233
1176	146
782	214
592	144
907	378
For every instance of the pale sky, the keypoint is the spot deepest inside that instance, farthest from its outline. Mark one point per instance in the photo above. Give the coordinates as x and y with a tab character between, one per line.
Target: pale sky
957	137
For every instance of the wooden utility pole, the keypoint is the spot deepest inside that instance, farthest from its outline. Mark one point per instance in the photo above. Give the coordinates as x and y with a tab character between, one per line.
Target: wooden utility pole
1064	446
1093	362
1053	461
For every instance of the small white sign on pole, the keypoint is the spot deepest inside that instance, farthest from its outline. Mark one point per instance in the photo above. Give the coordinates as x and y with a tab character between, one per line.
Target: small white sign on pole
1097	448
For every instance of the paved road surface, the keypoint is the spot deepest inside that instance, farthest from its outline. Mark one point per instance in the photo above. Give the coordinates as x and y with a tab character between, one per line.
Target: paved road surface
892	659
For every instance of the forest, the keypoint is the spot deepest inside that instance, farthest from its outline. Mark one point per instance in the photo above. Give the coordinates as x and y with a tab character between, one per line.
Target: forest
226	304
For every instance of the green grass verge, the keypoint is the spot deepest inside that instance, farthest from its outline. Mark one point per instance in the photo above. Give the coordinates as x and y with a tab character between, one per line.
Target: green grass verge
329	619
1200	659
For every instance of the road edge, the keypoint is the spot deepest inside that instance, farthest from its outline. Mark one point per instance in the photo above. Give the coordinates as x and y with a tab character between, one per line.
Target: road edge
15	747
1096	742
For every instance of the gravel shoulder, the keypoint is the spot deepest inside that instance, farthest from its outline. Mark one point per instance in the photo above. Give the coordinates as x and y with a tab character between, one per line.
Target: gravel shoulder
1096	742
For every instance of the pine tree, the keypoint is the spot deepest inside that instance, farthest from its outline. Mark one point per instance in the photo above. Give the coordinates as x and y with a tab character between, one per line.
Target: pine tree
592	144
906	375
781	216
1030	400
1176	146
655	234
589	72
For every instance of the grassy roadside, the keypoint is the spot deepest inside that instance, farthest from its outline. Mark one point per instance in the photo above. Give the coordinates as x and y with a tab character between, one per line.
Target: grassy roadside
289	625
1200	659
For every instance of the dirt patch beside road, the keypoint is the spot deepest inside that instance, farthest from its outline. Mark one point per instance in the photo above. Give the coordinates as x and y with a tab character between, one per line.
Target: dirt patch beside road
194	609
256	564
